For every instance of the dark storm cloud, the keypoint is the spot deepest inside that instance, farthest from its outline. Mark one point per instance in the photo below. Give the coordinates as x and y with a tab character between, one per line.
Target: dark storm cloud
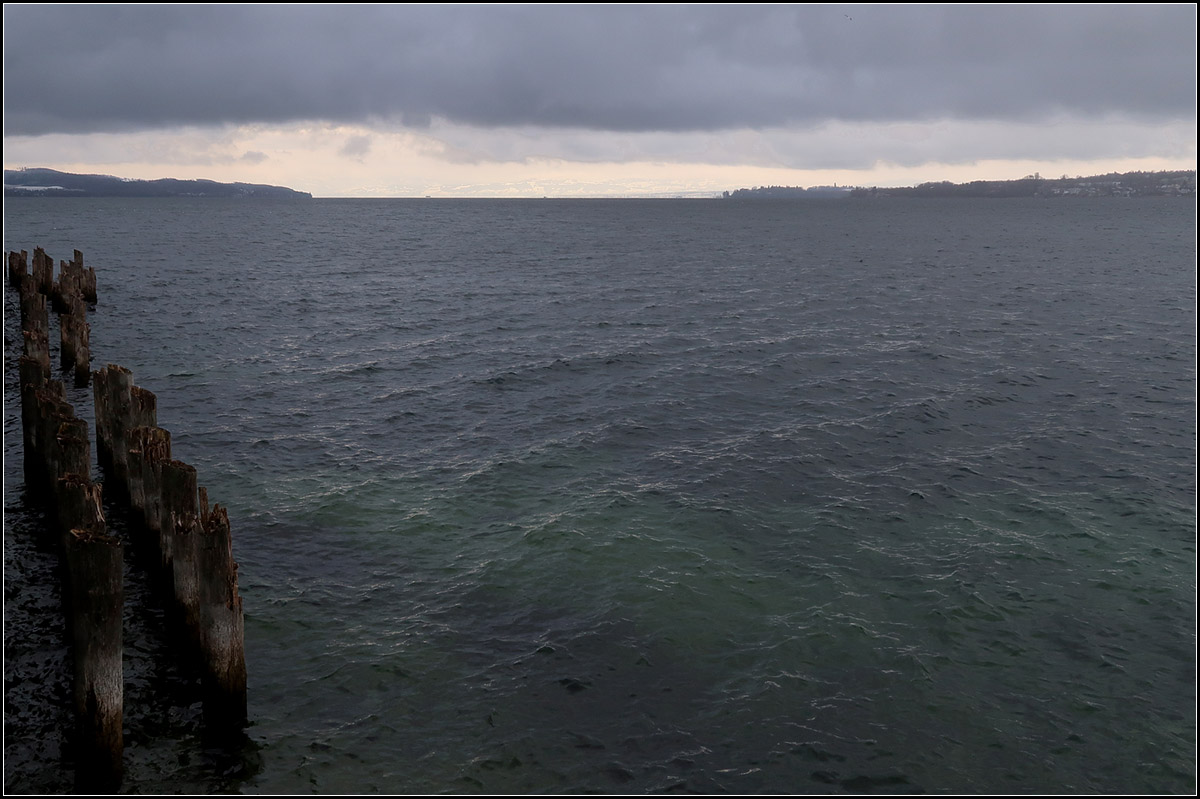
624	68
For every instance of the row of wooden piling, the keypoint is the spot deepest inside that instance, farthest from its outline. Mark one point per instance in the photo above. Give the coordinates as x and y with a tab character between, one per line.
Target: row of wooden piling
72	278
57	462
69	295
193	540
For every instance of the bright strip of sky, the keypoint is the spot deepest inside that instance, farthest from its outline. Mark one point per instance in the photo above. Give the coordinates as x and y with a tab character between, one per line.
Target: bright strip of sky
545	100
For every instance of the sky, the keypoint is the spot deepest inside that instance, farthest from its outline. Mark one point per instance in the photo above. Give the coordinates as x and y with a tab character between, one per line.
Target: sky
587	100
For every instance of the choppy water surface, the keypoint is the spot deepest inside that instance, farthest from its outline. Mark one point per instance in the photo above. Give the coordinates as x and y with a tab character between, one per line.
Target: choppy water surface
630	496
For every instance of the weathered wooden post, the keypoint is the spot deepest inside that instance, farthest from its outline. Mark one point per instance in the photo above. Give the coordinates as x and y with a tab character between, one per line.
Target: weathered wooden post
73	279
37	347
88	286
185	573
34	316
95	574
60	447
35	331
133	459
142	411
33	378
43	271
148	448
64	286
156	450
32	375
75	335
113	395
179	523
17	267
143	408
50	409
70	449
222	623
79	504
101	401
86	278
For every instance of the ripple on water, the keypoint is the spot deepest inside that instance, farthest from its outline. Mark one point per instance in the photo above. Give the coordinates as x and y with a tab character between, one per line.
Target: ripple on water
638	497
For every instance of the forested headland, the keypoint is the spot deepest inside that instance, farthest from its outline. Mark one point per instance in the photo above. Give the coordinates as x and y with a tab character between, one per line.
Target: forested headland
1126	184
40	182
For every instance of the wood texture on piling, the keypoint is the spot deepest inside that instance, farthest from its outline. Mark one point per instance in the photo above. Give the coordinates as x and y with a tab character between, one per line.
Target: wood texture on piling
43	271
18	267
95	576
133	460
178	523
102	414
71	451
65	285
36	345
85	278
113	421
155	446
75	338
143	407
132	407
195	541
221	619
35	317
49	409
88	285
57	467
79	504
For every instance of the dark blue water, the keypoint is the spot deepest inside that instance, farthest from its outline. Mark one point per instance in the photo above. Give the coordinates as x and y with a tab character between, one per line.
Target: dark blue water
633	496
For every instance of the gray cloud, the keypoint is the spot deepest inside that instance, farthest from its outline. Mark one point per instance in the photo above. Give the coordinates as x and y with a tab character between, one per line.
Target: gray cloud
623	68
833	145
356	147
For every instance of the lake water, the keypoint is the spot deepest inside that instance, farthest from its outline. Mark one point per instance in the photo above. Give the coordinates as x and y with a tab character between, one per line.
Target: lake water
641	496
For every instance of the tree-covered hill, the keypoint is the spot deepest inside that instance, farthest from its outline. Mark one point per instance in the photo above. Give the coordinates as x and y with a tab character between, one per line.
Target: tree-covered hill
39	182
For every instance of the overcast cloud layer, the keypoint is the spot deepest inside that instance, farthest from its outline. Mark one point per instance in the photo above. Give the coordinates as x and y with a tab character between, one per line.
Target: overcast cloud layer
82	69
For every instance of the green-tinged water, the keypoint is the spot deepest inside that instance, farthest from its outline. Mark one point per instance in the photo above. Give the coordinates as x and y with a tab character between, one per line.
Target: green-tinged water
641	496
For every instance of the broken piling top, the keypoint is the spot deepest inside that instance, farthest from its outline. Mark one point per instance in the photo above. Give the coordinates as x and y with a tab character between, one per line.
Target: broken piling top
43	271
149	447
73	279
35	317
18	267
79	504
56	440
222	624
112	394
86	278
36	348
177	511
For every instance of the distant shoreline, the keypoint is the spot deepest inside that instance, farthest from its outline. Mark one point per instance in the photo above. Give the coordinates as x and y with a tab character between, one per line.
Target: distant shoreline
40	182
1177	183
